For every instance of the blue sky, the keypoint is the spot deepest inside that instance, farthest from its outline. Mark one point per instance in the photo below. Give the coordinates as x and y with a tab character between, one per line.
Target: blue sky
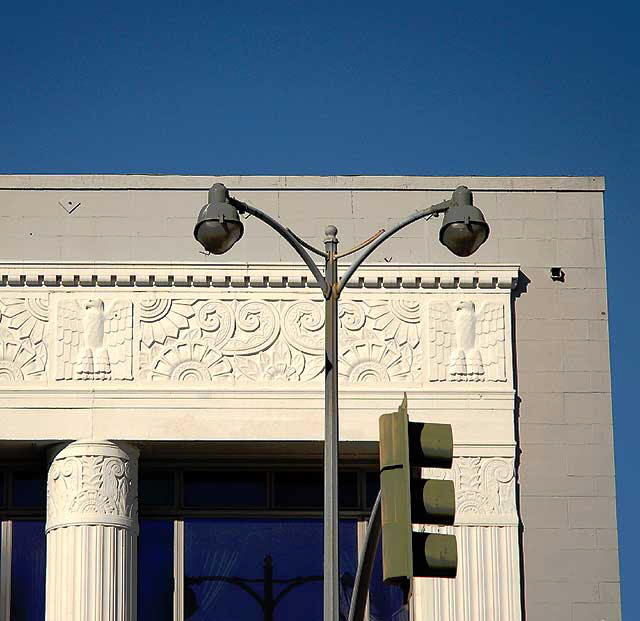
493	88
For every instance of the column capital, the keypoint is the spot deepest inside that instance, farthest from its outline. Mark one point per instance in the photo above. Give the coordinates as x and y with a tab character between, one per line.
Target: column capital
93	482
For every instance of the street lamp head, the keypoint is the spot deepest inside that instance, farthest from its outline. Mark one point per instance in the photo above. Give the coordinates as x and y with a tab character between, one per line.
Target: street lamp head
464	228
219	226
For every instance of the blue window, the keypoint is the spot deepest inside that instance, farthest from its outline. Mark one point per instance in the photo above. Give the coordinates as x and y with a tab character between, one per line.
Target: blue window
237	569
385	601
155	574
28	553
245	556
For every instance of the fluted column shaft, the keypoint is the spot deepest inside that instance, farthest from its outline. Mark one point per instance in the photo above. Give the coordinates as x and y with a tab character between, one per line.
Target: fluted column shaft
92	529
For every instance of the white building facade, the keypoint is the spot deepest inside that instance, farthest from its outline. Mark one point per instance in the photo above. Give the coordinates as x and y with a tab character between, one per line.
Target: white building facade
171	403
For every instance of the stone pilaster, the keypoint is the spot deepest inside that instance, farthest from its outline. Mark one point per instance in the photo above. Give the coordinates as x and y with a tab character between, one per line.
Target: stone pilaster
92	527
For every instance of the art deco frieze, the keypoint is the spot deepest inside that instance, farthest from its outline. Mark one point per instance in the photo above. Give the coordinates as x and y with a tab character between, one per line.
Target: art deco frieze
467	341
246	334
243	340
24	349
94	340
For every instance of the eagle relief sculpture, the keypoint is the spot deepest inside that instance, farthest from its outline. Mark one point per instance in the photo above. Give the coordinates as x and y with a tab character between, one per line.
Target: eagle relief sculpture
466	344
94	341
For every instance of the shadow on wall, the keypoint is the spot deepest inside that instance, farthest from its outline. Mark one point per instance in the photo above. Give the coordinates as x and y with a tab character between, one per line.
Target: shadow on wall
520	289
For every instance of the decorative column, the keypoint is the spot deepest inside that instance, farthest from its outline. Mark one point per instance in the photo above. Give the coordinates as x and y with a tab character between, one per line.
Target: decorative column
487	587
92	526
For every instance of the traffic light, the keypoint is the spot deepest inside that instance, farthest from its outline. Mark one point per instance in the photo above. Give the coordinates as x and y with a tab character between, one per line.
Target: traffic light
407	499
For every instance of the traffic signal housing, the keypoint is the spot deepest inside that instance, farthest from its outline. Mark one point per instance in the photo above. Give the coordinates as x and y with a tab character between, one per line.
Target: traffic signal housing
407	499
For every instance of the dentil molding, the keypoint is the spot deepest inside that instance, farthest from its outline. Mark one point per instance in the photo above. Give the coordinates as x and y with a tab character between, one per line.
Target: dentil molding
258	275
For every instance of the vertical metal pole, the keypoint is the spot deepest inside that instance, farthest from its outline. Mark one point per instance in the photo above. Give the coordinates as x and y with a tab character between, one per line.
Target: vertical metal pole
331	583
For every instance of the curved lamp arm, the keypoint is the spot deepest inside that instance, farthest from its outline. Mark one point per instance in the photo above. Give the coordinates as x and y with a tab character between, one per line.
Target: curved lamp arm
424	213
360	593
293	240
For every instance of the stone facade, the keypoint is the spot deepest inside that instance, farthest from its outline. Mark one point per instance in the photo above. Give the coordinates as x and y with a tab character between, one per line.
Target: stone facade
108	309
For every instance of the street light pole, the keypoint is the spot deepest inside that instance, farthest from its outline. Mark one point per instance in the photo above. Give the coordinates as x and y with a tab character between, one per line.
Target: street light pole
331	599
219	227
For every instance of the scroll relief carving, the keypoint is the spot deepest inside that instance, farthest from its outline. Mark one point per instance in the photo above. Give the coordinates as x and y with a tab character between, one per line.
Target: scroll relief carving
246	340
95	489
485	487
94	339
466	342
23	331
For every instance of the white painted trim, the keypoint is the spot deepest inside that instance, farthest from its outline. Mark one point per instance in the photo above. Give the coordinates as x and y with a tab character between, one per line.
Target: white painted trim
5	570
302	182
475	396
178	570
63	275
483	424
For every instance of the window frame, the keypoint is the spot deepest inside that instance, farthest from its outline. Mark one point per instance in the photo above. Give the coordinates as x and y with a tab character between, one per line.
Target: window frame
179	512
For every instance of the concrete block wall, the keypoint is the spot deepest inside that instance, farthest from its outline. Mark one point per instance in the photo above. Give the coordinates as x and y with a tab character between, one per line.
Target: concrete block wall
564	425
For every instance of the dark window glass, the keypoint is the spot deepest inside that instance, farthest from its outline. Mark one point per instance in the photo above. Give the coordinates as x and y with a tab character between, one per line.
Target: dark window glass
29	490
348	490
28	571
155	489
155	570
304	490
225	489
2	492
372	484
231	565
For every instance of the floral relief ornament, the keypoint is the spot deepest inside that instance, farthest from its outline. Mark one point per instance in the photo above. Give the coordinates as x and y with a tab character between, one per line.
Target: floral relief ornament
190	360
398	319
485	486
277	364
19	362
28	317
163	318
93	489
23	349
367	361
244	336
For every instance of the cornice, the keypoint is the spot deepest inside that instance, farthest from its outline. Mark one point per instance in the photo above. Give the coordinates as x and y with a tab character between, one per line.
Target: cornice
299	182
255	276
